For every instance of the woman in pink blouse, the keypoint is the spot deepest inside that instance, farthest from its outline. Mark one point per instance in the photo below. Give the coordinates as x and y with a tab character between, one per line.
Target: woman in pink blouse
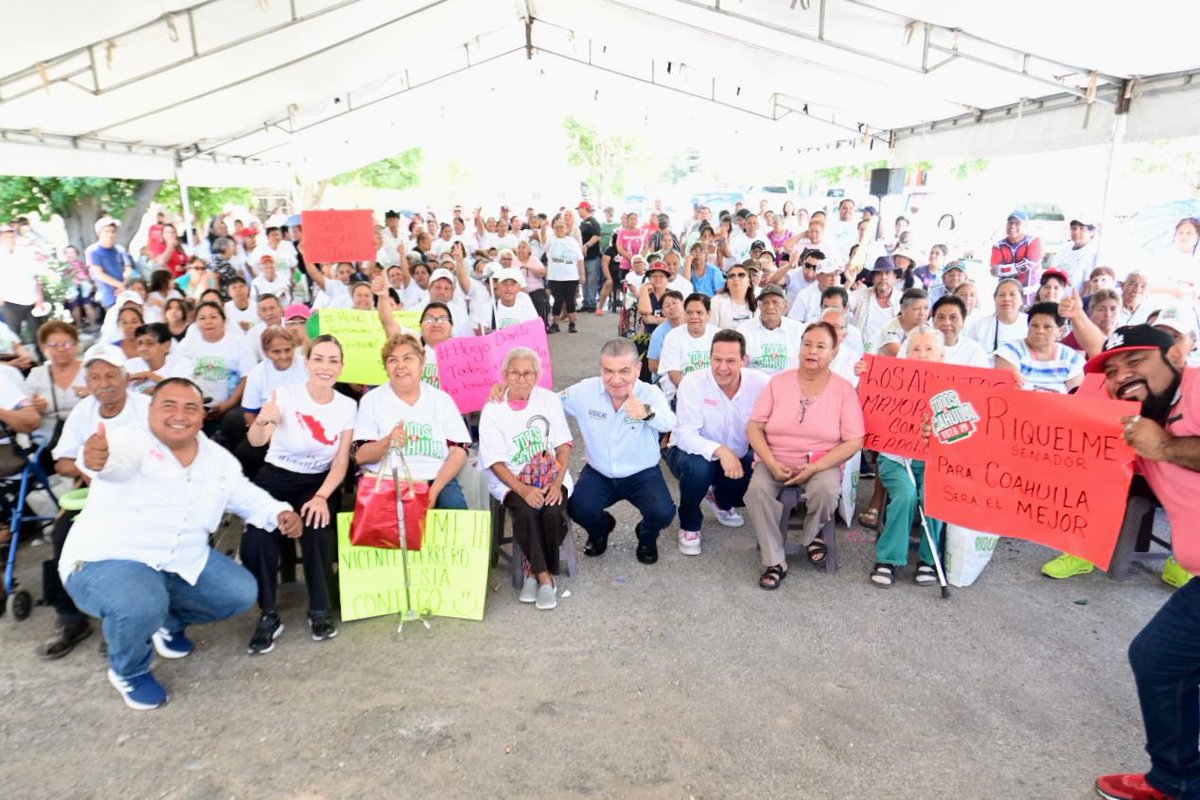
806	423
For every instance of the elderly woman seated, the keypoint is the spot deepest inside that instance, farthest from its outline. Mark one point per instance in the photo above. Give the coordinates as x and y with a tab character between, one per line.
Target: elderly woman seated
525	444
806	424
904	480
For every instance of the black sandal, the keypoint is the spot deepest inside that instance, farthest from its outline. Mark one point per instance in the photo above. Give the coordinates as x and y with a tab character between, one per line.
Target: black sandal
772	577
816	552
925	574
883	576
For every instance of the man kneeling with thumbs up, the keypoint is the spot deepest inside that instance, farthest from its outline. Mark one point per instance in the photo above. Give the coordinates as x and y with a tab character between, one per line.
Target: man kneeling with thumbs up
138	555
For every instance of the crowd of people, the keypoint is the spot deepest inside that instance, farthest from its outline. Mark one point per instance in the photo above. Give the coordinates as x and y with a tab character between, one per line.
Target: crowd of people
205	388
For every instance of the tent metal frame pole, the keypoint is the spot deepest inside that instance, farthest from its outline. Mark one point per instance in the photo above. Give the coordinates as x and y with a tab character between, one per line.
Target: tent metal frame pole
243	80
195	53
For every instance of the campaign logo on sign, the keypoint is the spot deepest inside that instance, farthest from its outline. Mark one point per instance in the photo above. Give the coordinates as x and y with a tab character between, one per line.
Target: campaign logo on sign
953	420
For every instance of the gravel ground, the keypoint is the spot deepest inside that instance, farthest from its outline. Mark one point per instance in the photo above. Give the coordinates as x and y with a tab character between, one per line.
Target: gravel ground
681	680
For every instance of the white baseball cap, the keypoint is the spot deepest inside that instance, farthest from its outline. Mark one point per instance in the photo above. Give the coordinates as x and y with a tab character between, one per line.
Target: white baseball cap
128	296
107	353
828	267
104	222
509	274
1178	318
438	274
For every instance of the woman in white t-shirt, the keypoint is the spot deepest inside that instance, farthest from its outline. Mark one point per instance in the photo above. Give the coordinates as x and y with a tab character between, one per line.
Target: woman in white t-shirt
735	303
215	352
525	444
279	368
564	272
1007	323
420	421
307	428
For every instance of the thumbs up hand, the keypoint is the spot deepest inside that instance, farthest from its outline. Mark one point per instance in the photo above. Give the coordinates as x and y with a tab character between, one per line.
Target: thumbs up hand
95	449
269	413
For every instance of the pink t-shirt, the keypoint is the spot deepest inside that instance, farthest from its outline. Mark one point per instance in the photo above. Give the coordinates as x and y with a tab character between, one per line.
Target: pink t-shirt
1176	487
532	282
631	240
835	416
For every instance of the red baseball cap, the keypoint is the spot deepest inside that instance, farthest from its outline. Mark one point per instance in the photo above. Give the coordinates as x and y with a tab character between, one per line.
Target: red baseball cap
1055	273
585	205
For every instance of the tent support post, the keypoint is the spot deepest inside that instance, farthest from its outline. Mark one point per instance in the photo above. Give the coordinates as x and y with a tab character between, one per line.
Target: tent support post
1114	148
185	204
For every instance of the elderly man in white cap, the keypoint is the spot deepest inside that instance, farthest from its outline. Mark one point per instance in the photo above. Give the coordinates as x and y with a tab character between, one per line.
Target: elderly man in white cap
108	262
807	305
510	305
109	403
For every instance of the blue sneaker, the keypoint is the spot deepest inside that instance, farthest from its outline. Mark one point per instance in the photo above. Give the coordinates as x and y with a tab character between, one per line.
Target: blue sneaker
171	645
141	693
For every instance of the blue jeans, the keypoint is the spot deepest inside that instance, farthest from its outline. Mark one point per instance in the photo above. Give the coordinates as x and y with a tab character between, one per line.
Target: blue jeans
451	497
591	286
1165	658
646	490
133	600
696	474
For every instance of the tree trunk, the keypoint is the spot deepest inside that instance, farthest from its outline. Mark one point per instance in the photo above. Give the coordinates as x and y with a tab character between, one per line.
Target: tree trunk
80	222
133	215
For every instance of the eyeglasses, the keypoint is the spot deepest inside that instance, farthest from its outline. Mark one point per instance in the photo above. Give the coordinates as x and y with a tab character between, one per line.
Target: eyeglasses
438	320
526	375
738	275
60	345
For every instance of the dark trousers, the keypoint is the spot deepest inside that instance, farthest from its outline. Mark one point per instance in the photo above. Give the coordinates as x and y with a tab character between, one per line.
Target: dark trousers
1165	658
564	296
696	474
645	490
541	304
16	315
260	549
52	588
539	531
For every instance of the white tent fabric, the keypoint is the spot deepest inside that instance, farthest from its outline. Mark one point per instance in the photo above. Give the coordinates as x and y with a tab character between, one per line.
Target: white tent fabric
253	91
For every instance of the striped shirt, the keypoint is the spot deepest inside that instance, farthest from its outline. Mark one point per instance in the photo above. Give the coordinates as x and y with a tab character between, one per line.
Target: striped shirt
1045	376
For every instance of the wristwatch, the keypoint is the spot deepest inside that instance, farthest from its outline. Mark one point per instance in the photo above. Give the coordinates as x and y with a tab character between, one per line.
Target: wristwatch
649	416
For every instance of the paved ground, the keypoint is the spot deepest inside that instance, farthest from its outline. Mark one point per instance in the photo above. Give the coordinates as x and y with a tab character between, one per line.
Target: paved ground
675	681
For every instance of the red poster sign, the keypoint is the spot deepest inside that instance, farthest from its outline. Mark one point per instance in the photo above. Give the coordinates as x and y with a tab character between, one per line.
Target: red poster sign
338	236
1046	467
894	393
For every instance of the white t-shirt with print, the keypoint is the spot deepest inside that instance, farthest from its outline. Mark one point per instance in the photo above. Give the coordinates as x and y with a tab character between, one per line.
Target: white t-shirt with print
772	351
431	422
235	316
521	310
265	379
215	365
685	353
562	257
309	433
512	438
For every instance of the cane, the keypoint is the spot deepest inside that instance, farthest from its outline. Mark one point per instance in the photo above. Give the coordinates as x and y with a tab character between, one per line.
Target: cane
933	548
410	614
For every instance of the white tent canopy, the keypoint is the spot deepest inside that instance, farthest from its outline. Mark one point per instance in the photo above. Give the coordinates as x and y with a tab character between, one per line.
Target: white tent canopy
255	92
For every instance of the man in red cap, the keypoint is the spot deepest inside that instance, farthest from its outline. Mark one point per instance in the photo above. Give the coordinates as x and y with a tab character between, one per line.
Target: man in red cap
1140	363
589	234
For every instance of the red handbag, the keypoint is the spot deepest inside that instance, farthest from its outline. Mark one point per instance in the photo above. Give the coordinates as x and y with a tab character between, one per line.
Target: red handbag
376	518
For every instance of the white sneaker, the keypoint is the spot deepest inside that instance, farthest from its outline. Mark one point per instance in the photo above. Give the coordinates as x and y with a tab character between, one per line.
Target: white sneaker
727	517
689	543
547	596
529	590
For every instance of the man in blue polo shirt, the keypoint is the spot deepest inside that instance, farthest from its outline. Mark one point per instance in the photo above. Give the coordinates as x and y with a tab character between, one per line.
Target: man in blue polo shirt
108	262
621	419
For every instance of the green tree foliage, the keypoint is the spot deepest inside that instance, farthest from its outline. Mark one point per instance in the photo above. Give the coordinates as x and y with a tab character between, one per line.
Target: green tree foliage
79	201
401	171
205	202
965	169
603	158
